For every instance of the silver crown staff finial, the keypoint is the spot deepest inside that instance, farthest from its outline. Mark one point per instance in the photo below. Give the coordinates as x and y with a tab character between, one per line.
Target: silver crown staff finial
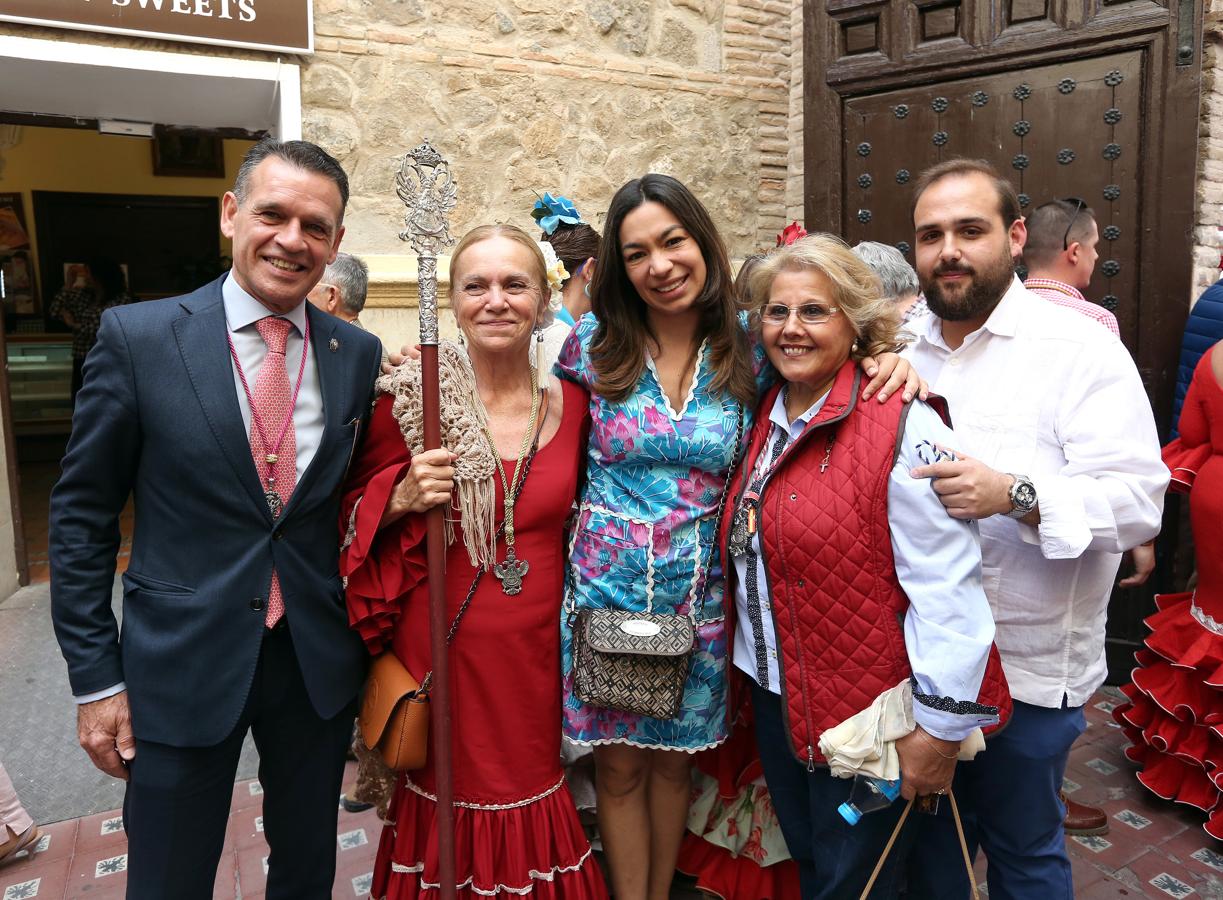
429	191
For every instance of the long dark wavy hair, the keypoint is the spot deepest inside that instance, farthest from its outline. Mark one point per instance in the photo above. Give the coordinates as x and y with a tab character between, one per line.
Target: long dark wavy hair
618	349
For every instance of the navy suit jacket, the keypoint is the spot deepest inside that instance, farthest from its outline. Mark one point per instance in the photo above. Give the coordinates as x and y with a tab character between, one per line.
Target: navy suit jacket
158	418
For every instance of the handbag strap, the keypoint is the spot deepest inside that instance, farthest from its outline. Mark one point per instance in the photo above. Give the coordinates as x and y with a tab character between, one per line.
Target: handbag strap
717	525
736	458
959	828
426	683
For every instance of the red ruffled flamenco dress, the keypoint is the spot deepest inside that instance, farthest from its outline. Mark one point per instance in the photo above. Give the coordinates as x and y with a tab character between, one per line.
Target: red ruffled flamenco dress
517	831
1175	714
734	847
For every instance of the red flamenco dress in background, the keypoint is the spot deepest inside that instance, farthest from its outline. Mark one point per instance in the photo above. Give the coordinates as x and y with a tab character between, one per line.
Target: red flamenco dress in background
516	828
1175	714
734	847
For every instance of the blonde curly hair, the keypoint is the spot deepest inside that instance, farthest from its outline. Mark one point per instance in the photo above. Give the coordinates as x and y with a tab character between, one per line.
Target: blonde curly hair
856	289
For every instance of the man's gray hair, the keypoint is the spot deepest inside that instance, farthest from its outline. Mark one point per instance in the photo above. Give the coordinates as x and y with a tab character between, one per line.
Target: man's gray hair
889	265
350	275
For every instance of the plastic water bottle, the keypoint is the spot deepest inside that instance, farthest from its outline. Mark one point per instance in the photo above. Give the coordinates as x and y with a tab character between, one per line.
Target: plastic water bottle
867	795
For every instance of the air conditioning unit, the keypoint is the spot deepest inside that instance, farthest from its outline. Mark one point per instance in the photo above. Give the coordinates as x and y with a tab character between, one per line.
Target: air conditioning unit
128	129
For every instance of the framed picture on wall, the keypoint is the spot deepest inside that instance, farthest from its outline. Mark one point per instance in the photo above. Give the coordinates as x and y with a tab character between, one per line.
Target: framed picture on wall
17	286
187	152
17	272
13	233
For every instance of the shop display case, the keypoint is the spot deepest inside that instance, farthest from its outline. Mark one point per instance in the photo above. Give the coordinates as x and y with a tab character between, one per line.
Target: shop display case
40	383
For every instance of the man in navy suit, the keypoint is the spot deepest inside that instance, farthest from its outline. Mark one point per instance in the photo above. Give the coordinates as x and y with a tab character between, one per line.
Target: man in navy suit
230	414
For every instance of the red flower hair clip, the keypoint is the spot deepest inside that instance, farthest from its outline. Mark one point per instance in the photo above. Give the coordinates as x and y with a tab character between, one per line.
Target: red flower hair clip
790	234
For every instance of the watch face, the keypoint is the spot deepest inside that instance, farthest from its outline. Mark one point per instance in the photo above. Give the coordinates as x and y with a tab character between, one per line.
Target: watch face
1024	495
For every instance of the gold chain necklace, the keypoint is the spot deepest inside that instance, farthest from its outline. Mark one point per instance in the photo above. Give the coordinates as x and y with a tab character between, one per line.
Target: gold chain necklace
511	572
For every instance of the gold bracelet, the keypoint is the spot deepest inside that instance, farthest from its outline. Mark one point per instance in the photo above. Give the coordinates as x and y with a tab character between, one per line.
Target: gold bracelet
933	746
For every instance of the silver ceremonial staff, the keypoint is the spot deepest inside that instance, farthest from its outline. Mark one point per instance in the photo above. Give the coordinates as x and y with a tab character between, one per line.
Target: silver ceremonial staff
426	187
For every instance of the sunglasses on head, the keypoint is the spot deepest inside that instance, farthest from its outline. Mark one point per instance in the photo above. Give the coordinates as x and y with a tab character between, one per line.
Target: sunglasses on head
1079	205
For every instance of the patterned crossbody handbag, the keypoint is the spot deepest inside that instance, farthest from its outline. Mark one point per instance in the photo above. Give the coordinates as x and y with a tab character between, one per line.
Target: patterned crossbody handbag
638	661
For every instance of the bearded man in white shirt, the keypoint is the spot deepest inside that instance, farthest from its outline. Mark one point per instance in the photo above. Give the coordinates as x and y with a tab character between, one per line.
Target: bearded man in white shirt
1059	463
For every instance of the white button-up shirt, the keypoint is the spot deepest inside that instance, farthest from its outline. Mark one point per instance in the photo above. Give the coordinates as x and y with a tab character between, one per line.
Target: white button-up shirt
242	311
947	627
1042	391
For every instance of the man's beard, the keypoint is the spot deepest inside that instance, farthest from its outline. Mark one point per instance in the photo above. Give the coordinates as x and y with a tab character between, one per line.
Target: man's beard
980	297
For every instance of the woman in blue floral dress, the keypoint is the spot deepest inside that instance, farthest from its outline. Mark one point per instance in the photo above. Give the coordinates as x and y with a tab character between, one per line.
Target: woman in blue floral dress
670	370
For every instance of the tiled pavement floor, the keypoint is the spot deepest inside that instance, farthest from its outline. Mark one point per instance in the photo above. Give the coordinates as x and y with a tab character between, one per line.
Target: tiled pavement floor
38	744
1154	849
87	858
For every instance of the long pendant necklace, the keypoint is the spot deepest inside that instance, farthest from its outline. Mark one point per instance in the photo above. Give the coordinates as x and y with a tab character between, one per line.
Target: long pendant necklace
513	570
745	521
271	451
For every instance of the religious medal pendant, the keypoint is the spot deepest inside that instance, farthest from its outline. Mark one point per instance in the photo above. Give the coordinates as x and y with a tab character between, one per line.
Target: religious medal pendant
738	533
742	528
275	504
511	572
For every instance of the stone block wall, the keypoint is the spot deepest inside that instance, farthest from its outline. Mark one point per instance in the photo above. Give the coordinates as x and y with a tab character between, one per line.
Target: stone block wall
1208	233
525	96
794	169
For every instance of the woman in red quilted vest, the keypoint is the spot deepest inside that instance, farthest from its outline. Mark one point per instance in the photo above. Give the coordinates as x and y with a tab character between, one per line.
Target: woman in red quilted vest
848	576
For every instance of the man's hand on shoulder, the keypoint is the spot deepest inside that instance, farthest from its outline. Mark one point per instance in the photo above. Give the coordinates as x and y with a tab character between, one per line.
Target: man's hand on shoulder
889	373
104	729
406	352
968	488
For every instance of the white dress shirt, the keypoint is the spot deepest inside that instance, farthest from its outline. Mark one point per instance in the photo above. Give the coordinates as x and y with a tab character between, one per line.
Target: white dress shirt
1043	391
948	628
242	311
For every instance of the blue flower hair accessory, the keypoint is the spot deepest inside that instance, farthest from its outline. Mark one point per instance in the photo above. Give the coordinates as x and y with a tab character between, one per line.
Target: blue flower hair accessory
551	211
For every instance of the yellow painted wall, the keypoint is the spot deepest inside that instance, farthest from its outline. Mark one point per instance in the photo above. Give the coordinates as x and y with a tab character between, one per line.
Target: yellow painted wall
77	160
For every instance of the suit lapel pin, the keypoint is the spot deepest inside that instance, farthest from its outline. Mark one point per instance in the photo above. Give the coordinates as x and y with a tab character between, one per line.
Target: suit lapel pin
334	345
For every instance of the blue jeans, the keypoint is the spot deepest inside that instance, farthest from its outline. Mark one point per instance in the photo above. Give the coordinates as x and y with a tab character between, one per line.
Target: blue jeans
1008	799
834	858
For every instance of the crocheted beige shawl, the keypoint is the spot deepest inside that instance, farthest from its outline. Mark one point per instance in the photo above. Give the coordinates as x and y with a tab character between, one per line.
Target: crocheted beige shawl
463	420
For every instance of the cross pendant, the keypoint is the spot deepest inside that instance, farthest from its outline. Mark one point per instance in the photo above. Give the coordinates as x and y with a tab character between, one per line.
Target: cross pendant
511	572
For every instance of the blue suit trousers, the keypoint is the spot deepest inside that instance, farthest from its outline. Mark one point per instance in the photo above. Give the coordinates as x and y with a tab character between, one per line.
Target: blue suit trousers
1009	803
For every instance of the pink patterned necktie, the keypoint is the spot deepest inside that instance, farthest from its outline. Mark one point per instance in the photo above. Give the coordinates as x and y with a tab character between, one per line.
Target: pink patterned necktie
274	403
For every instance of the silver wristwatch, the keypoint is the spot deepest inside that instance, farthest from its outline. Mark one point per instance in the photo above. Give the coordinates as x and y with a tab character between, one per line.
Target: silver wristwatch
1022	496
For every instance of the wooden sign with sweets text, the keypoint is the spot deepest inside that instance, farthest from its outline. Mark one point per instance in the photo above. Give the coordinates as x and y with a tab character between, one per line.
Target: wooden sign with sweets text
280	25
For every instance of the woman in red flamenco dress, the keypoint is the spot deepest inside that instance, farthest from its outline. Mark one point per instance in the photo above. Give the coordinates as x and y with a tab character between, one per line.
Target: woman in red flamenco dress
734	847
517	831
1174	716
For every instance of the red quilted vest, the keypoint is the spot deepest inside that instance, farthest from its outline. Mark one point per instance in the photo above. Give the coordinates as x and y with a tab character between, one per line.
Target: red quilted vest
838	608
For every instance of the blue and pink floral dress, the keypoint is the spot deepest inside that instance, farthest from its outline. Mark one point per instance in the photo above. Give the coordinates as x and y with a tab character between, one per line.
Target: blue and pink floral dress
654	476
